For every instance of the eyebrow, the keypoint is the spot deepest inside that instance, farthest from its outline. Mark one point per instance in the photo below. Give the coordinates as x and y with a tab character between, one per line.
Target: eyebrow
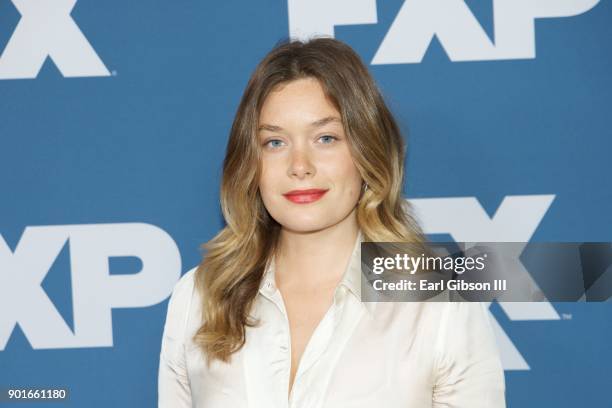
315	124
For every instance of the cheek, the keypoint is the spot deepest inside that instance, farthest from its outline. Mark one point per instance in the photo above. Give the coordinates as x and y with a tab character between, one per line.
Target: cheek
267	173
348	176
355	184
270	182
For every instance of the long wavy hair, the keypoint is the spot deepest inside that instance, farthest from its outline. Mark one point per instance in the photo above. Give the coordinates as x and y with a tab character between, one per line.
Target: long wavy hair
229	276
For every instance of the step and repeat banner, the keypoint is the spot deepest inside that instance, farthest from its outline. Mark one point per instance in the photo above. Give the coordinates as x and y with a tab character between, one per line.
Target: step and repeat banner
114	117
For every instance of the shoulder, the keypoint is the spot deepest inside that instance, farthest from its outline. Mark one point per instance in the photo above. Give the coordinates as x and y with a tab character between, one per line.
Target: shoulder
464	315
179	306
185	283
464	327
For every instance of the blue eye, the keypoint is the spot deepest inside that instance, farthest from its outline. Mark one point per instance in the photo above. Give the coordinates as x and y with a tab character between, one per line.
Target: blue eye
327	139
273	143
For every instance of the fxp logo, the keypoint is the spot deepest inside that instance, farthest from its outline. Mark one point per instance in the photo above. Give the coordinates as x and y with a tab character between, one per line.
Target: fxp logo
451	21
95	290
46	29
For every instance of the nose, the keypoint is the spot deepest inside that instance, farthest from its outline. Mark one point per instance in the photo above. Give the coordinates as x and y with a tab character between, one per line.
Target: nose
300	164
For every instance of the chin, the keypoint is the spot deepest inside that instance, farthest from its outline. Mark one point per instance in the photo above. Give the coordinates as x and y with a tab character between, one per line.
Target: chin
304	224
306	219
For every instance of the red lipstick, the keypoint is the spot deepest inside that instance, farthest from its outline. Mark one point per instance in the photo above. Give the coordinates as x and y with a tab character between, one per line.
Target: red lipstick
304	196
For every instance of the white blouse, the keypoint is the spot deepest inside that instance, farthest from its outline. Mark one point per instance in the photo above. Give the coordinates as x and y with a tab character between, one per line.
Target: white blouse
380	354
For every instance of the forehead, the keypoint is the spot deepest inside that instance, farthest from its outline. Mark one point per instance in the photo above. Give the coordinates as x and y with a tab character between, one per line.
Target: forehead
303	99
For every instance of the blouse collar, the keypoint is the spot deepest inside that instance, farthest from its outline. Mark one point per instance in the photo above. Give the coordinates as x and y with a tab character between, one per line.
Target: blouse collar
351	278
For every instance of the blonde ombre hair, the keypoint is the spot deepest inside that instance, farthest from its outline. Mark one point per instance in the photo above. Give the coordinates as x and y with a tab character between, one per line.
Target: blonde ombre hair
229	276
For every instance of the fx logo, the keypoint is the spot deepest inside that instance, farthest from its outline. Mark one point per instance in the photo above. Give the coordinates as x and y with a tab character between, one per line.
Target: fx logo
515	220
95	292
451	21
46	29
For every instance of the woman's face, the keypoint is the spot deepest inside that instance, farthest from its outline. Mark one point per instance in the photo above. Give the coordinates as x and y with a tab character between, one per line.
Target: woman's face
304	147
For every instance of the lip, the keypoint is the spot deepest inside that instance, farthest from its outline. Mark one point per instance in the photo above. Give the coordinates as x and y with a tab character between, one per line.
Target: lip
305	196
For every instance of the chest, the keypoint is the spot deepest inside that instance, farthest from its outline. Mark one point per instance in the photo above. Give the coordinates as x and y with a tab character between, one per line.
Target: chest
305	310
366	362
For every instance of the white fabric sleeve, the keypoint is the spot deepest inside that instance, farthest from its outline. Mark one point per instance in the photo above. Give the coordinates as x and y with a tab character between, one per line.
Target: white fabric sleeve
173	381
468	369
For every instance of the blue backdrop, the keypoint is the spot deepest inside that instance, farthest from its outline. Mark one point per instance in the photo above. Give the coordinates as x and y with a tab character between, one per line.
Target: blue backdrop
113	123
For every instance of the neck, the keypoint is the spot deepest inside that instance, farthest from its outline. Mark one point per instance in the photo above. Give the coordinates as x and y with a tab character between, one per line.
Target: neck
315	257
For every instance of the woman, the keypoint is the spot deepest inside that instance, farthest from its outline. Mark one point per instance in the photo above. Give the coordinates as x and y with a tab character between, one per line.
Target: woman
273	317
